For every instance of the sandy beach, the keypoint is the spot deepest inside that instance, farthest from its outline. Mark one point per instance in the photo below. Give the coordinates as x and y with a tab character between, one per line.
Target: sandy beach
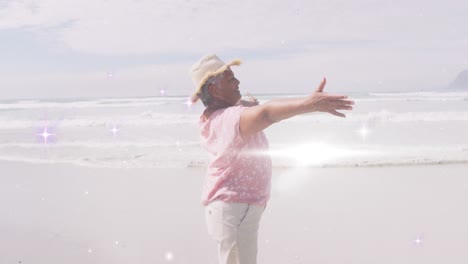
60	213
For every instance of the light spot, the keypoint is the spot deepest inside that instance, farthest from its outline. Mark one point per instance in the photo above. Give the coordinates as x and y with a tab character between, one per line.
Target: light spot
114	130
45	134
418	241
363	131
169	256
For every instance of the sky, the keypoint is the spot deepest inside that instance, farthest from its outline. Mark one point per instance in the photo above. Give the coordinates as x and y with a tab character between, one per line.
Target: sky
136	48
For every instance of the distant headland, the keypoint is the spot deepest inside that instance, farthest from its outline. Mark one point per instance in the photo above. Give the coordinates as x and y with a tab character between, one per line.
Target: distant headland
461	82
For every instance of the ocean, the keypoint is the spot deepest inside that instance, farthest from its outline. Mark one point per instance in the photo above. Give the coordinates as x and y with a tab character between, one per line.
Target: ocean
119	180
384	129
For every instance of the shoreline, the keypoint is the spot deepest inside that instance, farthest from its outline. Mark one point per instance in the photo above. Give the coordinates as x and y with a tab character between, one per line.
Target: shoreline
202	165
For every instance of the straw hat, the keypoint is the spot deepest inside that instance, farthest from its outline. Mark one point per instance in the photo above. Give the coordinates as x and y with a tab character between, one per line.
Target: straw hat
208	66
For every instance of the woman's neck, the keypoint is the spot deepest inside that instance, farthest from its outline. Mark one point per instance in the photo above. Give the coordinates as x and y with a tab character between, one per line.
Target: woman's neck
215	105
218	104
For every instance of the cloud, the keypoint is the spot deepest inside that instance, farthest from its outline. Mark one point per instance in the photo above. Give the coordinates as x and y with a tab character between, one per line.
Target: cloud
147	26
287	46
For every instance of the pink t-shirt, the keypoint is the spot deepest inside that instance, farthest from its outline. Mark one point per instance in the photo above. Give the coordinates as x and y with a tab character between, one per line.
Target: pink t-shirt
239	170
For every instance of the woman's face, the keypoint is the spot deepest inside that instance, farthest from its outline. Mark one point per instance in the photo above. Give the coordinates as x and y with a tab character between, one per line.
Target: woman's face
226	88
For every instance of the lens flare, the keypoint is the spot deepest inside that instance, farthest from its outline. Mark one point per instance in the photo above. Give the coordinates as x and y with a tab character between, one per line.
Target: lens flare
188	103
114	130
363	131
315	153
45	135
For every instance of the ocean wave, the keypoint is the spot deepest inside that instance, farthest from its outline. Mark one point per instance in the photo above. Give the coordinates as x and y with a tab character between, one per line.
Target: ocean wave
102	145
416	96
387	116
152	119
133	163
158	101
410	99
421	94
98	103
416	162
364	164
146	118
384	116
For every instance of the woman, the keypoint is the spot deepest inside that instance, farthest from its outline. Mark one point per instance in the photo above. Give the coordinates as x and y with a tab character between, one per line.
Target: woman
238	180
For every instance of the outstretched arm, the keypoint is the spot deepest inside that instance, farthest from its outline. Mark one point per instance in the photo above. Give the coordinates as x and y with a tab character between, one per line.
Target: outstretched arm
257	118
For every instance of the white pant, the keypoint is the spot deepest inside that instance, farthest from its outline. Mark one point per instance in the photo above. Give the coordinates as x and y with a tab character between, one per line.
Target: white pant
235	227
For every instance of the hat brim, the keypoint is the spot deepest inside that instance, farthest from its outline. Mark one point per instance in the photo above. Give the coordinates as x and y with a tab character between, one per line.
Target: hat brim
236	62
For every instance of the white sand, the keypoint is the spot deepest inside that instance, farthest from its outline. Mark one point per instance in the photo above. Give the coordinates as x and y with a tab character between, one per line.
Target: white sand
55	214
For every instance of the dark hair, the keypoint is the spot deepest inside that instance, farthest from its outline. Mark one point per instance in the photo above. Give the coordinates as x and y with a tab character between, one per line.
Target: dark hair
204	94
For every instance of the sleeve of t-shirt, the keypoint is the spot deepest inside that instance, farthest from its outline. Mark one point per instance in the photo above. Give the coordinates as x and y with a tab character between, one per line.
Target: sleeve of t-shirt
225	128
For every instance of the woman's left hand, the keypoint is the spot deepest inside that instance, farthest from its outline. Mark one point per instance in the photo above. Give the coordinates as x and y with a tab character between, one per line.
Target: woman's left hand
251	102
